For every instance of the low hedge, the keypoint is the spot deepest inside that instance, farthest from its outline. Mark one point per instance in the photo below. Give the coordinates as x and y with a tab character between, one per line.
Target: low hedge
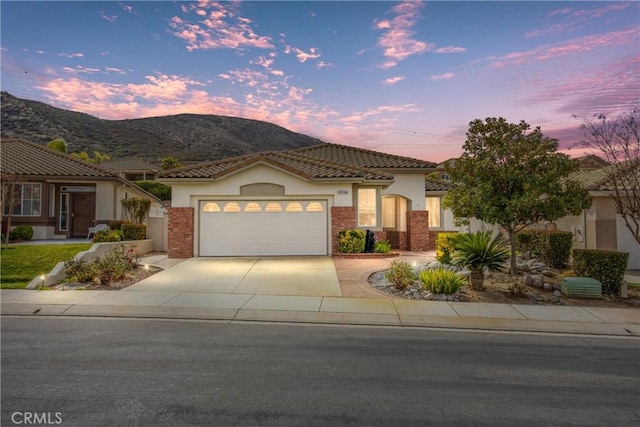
606	266
351	241
131	231
552	247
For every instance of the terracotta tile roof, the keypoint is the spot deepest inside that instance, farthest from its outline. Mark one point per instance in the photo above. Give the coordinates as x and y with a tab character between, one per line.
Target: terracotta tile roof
436	185
29	159
362	158
307	167
601	180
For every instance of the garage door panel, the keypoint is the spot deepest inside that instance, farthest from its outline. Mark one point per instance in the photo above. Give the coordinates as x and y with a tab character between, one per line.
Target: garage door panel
255	229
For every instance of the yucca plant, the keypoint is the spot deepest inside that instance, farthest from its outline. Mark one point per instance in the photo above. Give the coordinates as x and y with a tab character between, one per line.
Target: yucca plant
478	251
441	281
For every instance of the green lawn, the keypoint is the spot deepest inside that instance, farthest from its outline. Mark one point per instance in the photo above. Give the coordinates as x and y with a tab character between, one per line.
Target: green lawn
21	263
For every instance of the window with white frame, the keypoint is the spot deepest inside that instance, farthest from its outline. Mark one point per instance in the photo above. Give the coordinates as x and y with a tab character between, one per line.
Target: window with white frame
367	207
435	211
27	200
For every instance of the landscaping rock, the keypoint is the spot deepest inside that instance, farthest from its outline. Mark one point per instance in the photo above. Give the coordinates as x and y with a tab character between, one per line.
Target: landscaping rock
434	265
463	273
523	267
547	286
537	280
549	273
557	293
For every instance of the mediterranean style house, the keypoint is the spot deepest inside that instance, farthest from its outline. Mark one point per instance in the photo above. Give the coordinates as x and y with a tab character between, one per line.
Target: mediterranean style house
61	197
295	202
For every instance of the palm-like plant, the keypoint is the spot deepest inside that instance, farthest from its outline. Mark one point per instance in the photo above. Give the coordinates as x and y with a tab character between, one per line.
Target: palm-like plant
478	251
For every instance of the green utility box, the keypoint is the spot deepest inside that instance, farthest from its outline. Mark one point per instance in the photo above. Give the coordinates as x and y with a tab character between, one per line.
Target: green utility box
581	287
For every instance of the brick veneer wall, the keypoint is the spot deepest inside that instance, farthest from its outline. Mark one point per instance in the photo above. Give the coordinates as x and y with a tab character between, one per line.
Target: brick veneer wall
180	233
342	218
432	239
417	230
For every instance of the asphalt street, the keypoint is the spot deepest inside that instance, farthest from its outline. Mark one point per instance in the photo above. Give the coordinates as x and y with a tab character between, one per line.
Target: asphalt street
127	372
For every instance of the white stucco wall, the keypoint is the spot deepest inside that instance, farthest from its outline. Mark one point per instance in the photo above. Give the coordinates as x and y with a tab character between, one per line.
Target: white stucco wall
410	186
105	196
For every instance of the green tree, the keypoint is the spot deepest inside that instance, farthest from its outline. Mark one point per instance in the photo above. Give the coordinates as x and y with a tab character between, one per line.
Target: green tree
512	177
58	144
170	163
161	191
97	157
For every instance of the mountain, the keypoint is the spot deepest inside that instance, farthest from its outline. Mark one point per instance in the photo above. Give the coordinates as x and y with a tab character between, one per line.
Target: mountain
187	137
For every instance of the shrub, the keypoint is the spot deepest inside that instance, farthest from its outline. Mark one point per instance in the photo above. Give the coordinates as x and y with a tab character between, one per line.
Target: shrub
401	274
527	241
21	232
441	281
79	270
382	247
114	265
552	247
606	266
107	236
132	231
444	246
136	208
351	241
557	248
116	224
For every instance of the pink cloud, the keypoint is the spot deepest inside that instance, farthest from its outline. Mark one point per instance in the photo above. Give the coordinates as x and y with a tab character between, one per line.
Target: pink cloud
609	89
444	76
397	39
560	11
574	19
570	47
302	55
127	8
450	49
393	80
221	28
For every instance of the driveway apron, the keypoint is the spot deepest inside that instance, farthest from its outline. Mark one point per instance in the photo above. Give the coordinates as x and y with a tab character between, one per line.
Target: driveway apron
297	276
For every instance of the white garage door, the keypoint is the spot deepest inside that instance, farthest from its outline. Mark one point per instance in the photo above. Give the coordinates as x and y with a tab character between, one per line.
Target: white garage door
275	227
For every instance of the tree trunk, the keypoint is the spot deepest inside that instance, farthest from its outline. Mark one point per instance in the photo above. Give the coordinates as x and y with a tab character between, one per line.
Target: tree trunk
477	279
512	241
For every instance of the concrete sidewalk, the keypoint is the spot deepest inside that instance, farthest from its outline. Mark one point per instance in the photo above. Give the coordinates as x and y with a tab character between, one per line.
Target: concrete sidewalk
355	303
328	310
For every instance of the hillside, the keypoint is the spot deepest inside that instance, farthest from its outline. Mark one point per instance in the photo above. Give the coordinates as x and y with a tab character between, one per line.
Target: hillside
187	137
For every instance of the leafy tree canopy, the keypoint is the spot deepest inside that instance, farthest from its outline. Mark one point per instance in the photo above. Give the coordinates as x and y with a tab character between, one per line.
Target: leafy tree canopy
58	144
97	157
513	177
170	163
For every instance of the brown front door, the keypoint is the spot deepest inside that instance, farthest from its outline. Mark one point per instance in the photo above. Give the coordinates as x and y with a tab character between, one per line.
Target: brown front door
83	208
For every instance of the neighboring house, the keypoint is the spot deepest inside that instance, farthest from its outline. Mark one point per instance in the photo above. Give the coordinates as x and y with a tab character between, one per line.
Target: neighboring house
61	196
295	202
600	227
132	169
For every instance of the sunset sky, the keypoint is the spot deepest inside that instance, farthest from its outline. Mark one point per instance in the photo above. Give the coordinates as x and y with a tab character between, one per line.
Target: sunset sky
404	78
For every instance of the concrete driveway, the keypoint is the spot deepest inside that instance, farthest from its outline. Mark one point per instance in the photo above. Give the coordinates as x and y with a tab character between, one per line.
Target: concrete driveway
298	276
